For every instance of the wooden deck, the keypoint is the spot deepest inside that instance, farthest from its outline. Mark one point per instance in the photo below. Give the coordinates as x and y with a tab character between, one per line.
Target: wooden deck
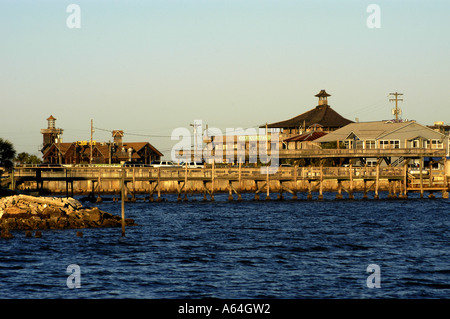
210	180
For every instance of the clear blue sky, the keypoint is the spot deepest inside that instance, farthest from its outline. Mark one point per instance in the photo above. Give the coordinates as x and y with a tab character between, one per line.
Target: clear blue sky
148	67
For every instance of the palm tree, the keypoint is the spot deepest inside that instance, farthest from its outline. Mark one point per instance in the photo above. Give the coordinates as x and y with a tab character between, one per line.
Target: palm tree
7	154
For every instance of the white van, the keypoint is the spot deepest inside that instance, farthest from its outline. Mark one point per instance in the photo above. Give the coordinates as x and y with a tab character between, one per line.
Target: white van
162	164
192	164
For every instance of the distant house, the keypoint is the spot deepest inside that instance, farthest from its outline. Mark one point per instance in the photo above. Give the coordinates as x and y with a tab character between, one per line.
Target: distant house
117	152
387	135
322	115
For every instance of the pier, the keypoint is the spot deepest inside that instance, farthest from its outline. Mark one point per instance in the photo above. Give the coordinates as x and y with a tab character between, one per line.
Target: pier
153	182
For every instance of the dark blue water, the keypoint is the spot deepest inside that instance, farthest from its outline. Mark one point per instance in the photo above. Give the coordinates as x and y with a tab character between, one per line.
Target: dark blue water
248	249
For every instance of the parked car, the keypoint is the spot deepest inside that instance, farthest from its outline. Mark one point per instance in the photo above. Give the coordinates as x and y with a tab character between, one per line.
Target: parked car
192	164
414	170
133	164
162	164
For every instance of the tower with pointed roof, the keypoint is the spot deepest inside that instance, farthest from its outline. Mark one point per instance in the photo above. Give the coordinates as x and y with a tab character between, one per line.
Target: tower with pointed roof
51	133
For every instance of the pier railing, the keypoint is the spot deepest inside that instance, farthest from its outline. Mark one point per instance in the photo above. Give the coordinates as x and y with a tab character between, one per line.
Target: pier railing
179	173
335	153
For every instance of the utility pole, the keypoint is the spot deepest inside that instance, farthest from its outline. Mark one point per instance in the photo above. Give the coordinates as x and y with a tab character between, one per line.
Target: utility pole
396	111
92	132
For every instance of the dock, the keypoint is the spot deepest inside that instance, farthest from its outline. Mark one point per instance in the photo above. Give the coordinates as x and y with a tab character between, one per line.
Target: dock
154	182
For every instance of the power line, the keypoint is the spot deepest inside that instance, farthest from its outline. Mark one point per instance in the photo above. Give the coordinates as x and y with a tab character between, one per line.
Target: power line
135	134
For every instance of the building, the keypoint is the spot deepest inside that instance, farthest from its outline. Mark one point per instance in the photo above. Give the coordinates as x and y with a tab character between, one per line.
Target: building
439	126
386	135
87	152
322	115
305	140
296	133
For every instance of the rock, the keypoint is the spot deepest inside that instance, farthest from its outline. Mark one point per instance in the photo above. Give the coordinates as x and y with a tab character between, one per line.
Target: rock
14	210
71	202
29	212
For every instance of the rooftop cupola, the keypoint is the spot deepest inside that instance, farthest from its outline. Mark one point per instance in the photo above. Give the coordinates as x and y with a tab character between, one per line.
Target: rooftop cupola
51	122
323	97
51	134
117	135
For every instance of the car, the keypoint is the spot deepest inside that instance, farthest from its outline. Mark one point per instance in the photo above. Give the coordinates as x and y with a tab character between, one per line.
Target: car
133	164
162	164
192	164
416	171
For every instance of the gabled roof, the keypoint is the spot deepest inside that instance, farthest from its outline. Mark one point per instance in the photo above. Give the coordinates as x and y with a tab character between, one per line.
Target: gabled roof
364	130
137	146
321	114
104	149
376	130
64	147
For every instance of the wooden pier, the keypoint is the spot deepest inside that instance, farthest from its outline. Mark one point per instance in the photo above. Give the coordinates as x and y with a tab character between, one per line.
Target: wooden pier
154	182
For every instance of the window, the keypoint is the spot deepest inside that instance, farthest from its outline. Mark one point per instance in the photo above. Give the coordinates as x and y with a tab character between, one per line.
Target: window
370	144
390	144
384	144
436	144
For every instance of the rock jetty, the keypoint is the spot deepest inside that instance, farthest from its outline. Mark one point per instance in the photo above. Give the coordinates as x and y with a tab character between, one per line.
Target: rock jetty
24	212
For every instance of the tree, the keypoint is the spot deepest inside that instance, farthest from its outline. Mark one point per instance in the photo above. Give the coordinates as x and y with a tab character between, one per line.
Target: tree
7	153
25	158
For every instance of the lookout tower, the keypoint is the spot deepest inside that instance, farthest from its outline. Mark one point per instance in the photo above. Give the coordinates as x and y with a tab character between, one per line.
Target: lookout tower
118	135
323	97
51	134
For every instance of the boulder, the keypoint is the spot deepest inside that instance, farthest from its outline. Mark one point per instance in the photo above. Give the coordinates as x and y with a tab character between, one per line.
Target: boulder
29	212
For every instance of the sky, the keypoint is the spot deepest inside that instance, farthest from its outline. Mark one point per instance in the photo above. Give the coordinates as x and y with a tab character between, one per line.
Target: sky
148	67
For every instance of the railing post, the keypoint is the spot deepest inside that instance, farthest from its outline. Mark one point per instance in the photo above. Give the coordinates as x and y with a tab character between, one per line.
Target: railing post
421	176
213	178
123	201
321	182
377	180
445	190
350	194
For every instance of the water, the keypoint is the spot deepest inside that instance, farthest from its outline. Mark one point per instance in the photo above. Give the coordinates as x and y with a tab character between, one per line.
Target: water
248	249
